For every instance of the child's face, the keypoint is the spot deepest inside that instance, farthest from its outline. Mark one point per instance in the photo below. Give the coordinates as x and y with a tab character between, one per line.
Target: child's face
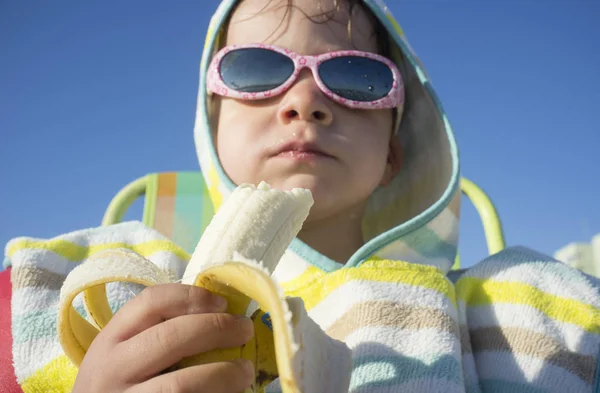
251	135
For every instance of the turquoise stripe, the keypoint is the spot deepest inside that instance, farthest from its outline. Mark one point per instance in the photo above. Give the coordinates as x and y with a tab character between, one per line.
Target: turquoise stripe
37	325
428	244
388	371
188	210
597	381
380	372
472	388
500	386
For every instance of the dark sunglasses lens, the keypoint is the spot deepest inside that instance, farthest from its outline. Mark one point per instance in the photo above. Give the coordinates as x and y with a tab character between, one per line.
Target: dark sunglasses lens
357	78
255	70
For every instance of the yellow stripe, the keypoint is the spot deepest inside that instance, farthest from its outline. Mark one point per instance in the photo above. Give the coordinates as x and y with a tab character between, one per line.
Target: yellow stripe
396	25
314	285
307	277
481	292
213	187
58	376
76	253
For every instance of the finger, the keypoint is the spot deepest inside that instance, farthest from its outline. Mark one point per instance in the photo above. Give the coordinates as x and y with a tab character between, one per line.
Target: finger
163	345
159	303
223	377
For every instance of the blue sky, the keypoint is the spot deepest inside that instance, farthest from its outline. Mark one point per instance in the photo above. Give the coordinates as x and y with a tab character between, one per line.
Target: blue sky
96	94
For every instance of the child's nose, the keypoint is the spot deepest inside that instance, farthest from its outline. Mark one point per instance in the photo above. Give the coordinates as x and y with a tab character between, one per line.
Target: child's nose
304	101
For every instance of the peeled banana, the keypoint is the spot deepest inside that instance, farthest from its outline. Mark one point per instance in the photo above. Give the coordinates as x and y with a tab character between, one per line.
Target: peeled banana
234	258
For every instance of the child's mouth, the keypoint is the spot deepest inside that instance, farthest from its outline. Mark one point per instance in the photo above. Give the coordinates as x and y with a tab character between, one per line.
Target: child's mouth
302	155
301	151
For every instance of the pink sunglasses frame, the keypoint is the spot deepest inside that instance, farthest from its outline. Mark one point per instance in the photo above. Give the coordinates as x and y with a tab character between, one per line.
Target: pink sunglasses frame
393	99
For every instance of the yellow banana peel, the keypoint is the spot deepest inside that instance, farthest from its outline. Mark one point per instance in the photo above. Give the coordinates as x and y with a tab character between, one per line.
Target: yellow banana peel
234	258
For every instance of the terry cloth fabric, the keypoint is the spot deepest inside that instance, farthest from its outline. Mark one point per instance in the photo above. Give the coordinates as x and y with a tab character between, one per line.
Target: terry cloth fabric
517	322
39	268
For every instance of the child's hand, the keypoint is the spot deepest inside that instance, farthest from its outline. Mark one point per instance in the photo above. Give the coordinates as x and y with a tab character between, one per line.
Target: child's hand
155	330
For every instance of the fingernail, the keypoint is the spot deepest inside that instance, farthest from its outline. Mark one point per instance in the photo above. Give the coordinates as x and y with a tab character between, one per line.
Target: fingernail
220	302
247	325
247	366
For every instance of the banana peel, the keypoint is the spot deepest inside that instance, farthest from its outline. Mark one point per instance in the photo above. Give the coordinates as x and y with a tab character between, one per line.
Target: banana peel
235	257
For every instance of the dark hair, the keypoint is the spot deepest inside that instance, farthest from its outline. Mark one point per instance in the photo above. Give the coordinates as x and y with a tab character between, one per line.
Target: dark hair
381	35
379	31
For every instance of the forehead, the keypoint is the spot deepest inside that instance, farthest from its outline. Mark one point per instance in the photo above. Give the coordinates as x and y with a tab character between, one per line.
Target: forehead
305	26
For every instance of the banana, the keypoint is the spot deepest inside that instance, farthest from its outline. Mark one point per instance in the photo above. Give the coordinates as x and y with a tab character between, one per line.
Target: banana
235	258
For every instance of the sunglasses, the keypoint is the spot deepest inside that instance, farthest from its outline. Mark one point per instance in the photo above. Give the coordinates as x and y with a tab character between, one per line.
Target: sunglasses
355	79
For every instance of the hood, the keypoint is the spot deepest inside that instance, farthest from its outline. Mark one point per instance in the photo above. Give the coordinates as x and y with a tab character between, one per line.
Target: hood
415	218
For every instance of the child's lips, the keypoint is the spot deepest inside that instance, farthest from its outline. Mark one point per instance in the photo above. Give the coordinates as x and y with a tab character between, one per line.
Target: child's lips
300	150
302	155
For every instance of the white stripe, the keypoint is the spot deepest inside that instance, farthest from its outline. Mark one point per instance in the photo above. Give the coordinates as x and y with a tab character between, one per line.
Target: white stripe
415	385
551	277
343	298
44	259
385	341
55	263
29	300
526	369
120	293
34	355
130	232
290	267
522	316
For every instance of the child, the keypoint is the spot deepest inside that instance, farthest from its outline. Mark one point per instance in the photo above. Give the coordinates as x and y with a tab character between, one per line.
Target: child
368	137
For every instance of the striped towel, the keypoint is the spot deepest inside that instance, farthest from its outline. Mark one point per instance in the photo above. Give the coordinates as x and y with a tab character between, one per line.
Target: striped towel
516	322
39	268
533	325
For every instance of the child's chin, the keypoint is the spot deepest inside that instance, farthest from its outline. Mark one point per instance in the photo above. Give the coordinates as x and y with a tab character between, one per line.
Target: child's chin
325	190
315	186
